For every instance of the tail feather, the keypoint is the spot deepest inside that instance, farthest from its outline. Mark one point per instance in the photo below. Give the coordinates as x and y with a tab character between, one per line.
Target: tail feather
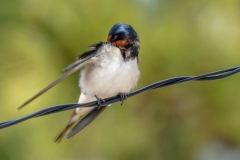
76	115
62	133
85	115
85	121
66	128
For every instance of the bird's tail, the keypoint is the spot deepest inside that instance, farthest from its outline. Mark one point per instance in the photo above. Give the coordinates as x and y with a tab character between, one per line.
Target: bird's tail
63	132
80	125
66	128
85	121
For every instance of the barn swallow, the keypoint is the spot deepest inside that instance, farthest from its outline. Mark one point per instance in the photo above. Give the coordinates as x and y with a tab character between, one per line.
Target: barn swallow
110	69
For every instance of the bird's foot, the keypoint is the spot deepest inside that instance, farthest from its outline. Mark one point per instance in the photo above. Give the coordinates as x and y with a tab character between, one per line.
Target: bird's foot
123	97
99	101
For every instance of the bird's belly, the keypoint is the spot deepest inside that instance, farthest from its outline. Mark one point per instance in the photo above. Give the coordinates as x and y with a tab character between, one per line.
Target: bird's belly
111	79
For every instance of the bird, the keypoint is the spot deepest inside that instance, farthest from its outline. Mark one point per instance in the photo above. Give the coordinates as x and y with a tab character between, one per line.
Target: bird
109	69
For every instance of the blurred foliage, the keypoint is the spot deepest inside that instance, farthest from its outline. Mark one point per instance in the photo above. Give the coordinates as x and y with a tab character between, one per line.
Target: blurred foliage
38	38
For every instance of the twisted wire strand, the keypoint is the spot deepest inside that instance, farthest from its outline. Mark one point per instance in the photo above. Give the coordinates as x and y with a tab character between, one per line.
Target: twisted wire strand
167	82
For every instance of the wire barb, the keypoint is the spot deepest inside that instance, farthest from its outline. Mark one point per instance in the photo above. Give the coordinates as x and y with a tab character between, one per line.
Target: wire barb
105	102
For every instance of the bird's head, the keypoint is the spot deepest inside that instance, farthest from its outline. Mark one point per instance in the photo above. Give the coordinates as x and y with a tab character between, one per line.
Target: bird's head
123	36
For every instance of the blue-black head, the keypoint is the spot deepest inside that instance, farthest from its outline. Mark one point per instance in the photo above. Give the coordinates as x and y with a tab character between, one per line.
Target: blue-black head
122	35
126	39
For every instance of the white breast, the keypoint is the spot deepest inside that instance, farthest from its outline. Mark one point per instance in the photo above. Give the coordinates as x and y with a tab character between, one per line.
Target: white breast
108	75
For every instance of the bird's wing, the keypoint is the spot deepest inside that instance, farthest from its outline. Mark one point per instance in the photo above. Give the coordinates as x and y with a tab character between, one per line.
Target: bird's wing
82	60
85	121
85	57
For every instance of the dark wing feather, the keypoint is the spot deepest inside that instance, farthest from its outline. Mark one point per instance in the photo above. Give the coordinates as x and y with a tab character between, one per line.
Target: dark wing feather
83	58
75	66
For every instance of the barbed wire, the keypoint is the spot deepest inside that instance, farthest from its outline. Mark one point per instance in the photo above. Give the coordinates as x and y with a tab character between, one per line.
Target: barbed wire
167	82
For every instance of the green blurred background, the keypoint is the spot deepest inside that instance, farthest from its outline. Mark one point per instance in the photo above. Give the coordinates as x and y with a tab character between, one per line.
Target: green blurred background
194	120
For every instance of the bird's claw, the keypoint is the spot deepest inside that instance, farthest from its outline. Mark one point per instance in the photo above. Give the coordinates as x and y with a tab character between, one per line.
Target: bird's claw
123	97
99	101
